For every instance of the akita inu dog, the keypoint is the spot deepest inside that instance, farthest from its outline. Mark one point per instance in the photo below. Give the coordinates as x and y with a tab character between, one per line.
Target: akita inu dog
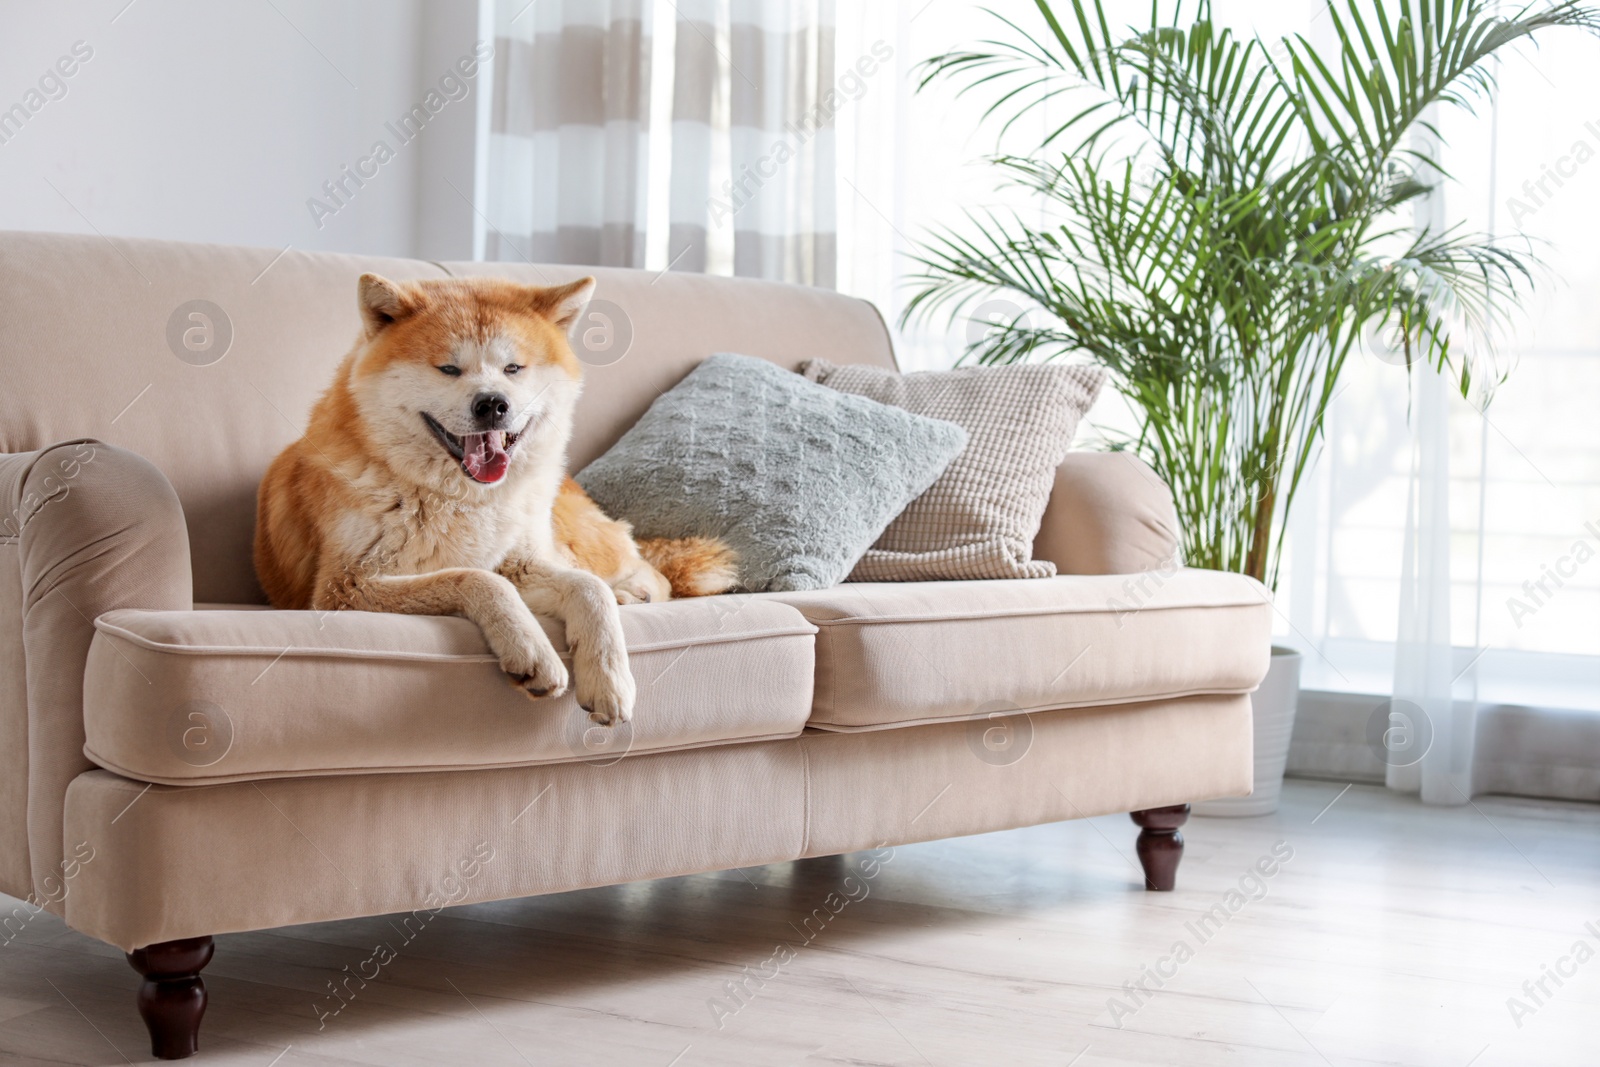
431	481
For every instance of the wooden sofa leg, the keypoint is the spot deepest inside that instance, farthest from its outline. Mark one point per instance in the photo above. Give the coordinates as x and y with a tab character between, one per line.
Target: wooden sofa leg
1160	844
173	997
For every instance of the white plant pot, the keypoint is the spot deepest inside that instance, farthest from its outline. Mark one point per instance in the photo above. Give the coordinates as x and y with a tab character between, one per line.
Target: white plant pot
1272	709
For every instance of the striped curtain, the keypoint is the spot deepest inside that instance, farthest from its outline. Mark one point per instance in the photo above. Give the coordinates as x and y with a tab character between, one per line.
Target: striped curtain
761	164
751	173
569	142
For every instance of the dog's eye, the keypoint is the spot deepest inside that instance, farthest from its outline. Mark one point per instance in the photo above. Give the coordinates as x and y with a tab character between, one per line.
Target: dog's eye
451	369
512	368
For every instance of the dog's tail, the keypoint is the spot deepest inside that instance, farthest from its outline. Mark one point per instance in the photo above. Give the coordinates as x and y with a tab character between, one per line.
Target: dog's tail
694	566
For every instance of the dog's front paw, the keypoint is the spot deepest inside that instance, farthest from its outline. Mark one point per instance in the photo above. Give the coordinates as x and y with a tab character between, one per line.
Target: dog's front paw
535	670
607	695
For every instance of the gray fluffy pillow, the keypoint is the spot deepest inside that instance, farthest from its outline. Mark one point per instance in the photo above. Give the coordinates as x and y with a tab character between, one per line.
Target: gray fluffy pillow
798	478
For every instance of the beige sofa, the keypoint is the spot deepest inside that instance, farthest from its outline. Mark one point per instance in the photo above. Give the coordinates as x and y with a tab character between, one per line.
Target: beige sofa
177	761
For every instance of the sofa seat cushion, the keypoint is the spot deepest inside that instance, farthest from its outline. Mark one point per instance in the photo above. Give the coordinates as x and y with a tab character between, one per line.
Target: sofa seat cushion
903	654
196	697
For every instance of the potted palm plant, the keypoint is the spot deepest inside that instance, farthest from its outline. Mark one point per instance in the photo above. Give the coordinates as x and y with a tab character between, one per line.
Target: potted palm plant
1226	219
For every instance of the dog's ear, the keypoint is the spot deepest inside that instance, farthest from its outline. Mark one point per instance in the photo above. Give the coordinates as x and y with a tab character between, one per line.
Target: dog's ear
563	303
382	302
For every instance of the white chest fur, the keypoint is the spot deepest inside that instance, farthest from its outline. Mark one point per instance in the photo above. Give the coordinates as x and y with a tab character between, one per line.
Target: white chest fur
418	530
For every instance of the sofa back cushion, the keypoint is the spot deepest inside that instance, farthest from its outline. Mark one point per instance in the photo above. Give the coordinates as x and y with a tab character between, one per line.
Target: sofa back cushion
104	338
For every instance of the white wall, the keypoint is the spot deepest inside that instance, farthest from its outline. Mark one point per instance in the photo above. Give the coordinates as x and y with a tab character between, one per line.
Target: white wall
201	120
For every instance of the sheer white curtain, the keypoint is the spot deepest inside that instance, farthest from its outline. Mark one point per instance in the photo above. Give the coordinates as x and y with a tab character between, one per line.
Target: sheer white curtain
1428	735
910	161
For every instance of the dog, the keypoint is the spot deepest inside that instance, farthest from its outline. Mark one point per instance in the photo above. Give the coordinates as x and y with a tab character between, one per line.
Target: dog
431	481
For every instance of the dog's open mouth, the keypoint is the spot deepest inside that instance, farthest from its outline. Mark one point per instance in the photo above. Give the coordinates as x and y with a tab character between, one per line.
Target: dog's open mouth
484	457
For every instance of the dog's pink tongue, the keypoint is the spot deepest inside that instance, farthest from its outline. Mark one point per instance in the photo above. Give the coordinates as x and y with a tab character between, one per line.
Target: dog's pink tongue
485	457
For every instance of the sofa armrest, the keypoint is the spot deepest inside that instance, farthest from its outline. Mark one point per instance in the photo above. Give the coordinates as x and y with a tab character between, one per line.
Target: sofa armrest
1109	513
93	528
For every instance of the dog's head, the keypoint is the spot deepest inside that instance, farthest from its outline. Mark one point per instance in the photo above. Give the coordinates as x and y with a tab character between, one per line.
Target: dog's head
455	378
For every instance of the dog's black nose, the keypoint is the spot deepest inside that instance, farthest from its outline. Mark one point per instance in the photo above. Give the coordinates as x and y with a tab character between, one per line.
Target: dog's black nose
490	408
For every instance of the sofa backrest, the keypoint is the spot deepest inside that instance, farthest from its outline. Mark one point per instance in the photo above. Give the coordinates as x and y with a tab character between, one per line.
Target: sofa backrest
96	340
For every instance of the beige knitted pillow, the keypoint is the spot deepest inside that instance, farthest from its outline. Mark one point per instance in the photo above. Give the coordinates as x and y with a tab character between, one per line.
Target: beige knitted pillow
979	519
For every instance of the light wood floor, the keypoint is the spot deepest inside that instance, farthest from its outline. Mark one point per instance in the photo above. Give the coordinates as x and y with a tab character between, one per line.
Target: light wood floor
1394	935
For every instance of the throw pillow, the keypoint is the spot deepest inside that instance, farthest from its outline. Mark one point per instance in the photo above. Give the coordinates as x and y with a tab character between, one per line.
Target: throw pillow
797	478
980	518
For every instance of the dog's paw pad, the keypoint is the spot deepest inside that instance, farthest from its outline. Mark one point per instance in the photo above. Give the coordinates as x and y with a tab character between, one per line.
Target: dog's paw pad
537	688
607	712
